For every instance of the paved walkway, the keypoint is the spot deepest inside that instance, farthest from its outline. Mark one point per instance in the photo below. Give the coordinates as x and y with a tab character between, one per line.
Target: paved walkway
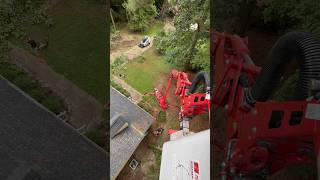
83	108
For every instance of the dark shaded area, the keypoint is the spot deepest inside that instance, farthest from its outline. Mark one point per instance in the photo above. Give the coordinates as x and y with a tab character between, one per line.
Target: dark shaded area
35	143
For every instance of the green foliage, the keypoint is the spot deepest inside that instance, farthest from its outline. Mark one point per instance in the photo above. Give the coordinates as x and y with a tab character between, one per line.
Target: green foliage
286	91
43	95
161	42
115	34
98	136
15	13
144	104
140	13
118	62
293	14
202	58
156	28
120	89
186	46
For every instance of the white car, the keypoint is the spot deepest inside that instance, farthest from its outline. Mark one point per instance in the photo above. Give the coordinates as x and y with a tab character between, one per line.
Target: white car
146	41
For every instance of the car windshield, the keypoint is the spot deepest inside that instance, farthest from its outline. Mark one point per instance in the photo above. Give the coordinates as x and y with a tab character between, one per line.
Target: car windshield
145	39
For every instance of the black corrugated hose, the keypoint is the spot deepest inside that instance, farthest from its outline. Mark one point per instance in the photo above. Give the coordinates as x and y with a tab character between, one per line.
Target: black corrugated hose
200	77
294	45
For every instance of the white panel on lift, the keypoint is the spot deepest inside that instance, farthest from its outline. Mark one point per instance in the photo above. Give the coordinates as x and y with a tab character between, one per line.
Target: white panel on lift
187	158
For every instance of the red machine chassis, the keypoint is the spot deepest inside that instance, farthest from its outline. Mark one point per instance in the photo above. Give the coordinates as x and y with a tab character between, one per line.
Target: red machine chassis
191	104
263	138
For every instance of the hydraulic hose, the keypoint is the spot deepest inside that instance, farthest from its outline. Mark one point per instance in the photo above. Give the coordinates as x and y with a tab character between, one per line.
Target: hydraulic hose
200	76
294	45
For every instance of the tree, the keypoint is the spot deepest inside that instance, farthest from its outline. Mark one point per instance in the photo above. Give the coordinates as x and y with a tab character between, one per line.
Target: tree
225	14
140	13
293	14
112	20
14	14
184	46
118	11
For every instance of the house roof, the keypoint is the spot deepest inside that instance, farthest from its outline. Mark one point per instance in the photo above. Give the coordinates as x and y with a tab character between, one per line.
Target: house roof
35	144
125	143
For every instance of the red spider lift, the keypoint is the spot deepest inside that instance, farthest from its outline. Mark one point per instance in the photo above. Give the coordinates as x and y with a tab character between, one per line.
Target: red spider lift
264	136
192	103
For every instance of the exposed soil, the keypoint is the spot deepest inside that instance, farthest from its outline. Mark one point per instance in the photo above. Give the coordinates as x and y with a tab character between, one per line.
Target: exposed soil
127	45
82	107
146	158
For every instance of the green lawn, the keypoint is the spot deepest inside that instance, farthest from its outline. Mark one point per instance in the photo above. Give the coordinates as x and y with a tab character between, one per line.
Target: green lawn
77	44
143	73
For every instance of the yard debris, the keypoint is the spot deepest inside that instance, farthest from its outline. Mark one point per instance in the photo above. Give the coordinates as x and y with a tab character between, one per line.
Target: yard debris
158	132
37	45
31	42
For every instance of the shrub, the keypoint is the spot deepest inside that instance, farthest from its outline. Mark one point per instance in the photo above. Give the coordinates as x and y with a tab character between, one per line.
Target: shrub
98	136
22	80
118	62
120	89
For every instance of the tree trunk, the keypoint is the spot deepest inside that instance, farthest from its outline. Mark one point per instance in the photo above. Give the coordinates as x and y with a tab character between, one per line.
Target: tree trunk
245	12
164	8
187	65
114	25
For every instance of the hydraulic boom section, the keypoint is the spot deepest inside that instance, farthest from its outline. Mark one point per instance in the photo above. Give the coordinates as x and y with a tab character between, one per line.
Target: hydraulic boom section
192	103
264	136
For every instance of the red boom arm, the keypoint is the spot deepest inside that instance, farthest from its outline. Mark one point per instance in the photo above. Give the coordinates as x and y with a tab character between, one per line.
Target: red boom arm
263	138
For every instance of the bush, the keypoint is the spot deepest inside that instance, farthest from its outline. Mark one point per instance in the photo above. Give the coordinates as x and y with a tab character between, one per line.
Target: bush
118	62
53	103
120	89
98	136
140	14
115	34
286	90
160	42
293	14
42	95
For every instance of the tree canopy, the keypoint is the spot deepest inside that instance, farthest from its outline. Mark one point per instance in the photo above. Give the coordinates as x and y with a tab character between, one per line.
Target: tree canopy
14	14
293	14
275	15
188	45
140	13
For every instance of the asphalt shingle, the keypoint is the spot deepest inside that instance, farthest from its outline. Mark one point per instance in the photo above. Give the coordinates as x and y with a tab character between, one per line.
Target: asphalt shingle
35	143
125	143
